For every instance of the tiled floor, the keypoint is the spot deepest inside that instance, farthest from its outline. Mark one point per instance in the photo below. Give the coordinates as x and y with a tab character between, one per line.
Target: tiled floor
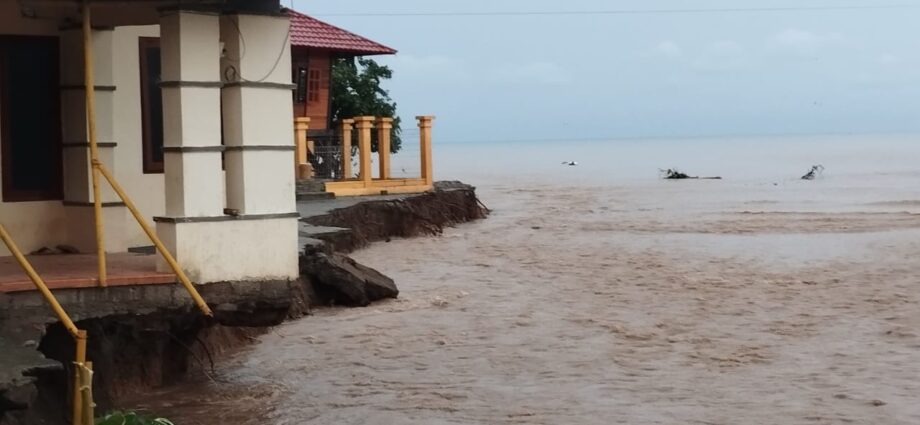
79	271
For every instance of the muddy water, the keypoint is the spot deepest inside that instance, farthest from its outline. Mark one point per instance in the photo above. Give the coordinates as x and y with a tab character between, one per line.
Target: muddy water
594	298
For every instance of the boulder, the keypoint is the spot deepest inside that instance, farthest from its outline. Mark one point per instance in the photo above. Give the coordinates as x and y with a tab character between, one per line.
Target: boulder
341	280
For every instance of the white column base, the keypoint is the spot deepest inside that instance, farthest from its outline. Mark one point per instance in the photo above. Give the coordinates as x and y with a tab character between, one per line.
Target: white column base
233	249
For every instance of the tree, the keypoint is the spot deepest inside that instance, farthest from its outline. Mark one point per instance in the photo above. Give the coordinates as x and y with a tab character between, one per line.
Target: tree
356	91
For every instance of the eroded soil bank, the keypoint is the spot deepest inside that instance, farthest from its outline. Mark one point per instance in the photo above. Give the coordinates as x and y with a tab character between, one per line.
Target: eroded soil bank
427	214
150	337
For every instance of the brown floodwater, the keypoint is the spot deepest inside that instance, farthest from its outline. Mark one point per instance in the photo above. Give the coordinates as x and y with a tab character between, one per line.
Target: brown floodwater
650	302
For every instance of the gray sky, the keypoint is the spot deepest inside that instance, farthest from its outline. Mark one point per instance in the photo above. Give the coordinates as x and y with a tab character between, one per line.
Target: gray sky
616	76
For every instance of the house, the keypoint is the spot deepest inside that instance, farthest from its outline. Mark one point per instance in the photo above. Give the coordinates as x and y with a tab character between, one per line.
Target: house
193	107
314	46
192	118
130	123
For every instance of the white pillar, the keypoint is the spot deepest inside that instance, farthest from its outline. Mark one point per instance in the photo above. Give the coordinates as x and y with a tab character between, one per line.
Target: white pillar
78	194
190	49
258	114
257	237
258	134
190	74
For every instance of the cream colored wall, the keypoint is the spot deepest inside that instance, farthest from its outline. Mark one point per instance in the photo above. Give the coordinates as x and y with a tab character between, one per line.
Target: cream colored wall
38	224
32	224
146	190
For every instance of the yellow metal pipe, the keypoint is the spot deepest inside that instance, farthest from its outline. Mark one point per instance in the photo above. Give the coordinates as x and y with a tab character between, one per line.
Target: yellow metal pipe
78	364
202	305
86	386
89	83
39	283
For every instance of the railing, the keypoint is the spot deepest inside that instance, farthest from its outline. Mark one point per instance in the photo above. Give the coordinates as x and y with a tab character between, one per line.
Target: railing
312	154
326	160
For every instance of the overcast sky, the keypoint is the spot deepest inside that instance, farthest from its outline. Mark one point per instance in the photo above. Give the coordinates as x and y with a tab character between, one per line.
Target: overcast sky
646	75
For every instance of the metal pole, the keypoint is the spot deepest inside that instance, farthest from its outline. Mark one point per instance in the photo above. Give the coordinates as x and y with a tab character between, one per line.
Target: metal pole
39	283
78	363
86	384
89	84
202	305
78	335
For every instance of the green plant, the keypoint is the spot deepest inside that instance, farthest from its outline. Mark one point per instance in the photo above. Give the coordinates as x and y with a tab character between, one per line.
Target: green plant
130	418
357	91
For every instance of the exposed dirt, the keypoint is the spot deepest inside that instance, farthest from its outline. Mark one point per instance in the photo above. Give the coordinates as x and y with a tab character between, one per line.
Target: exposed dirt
423	215
135	354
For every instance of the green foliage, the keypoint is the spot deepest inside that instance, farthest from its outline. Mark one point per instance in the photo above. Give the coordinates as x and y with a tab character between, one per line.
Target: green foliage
130	418
356	91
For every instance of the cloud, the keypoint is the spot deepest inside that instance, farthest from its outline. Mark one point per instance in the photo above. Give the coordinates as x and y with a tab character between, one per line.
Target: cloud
722	55
803	42
668	49
531	72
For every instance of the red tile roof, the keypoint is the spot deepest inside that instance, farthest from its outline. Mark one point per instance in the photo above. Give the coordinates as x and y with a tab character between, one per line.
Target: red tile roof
307	31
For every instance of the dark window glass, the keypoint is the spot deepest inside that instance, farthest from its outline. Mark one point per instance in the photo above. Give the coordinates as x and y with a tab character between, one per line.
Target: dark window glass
151	104
30	118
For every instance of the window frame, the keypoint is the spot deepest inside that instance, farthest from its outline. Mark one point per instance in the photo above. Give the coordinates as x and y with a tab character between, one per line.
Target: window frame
314	84
150	166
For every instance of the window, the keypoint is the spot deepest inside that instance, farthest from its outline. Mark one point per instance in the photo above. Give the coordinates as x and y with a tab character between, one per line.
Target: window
151	104
313	84
30	116
300	77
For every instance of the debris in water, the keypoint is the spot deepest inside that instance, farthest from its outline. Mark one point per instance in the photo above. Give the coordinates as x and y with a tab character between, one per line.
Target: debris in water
815	172
674	174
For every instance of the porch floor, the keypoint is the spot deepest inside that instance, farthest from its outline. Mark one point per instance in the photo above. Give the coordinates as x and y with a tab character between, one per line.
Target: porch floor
79	271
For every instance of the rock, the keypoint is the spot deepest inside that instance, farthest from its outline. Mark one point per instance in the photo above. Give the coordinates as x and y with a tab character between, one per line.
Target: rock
342	280
67	249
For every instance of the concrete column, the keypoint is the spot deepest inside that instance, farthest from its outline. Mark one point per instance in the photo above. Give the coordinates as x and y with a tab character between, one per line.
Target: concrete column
190	49
257	113
424	127
255	237
346	149
78	194
195	228
384	127
302	166
364	126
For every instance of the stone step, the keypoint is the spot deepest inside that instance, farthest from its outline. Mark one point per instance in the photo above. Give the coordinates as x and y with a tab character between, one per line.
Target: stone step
314	196
311	185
